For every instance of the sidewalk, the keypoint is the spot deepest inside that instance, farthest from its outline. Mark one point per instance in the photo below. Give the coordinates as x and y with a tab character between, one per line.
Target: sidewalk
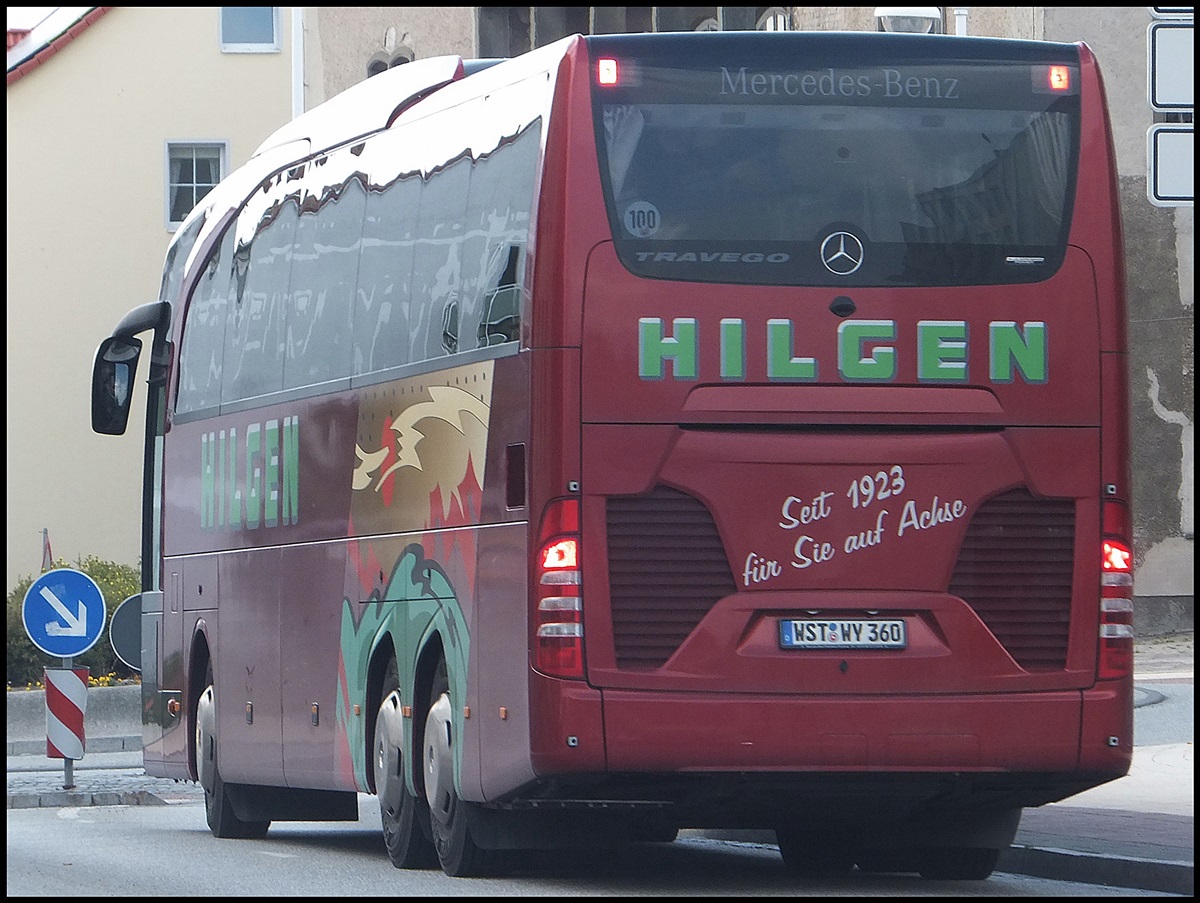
1136	832
1133	832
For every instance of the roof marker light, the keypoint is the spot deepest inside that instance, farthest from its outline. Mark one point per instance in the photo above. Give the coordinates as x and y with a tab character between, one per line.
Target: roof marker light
606	72
1060	78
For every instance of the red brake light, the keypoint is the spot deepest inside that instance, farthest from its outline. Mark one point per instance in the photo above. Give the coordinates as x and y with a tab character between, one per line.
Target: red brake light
561	554
1116	556
1116	594
558	615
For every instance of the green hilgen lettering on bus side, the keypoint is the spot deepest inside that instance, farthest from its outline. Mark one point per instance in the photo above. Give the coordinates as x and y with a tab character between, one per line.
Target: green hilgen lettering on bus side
866	351
258	487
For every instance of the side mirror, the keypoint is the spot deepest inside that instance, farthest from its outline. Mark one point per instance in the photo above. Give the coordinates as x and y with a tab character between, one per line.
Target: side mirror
112	381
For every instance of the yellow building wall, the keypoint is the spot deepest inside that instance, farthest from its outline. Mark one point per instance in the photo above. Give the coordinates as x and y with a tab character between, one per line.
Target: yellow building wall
87	133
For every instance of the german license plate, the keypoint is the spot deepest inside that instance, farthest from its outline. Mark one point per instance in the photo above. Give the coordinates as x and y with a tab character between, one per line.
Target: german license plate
842	633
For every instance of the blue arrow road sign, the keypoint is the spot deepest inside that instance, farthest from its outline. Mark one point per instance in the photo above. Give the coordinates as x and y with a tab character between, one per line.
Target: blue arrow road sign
64	612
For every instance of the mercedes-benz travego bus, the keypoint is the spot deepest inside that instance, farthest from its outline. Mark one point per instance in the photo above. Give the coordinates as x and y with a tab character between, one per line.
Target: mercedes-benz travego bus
649	432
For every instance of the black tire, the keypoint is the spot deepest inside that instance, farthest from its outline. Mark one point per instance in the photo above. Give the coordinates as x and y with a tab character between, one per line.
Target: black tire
649	829
957	863
457	851
655	834
222	820
882	861
406	833
811	853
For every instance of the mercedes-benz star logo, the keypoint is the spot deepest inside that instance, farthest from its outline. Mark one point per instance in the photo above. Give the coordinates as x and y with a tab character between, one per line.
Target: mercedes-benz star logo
842	253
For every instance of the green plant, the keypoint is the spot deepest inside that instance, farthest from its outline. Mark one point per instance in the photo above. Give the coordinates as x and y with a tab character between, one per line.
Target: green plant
25	662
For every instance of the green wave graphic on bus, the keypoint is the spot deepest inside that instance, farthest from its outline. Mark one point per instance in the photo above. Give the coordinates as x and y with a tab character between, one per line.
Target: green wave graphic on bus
418	602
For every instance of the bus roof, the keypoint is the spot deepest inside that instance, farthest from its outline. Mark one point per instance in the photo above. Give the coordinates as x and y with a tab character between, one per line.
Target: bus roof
366	107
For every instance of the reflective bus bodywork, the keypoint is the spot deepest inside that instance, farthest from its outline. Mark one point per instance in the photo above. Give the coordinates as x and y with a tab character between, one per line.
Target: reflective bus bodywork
722	430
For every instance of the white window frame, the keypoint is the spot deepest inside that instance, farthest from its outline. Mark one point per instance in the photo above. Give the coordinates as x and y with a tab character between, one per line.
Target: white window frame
234	47
222	147
774	18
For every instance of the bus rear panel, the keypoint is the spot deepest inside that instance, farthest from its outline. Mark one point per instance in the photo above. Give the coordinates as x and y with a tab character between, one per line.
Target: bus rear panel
854	494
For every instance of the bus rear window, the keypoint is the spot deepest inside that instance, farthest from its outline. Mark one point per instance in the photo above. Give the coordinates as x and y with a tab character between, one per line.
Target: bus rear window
904	172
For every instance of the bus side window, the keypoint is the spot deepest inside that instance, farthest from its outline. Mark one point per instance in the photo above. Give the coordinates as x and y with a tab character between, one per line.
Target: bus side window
498	212
323	275
383	305
500	319
202	354
177	255
437	260
254	339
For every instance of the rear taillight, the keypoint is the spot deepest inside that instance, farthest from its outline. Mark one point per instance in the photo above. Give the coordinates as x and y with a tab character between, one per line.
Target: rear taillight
1116	594
558	615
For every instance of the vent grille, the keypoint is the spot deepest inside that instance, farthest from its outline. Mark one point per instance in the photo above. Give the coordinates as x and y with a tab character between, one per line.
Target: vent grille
667	568
1014	569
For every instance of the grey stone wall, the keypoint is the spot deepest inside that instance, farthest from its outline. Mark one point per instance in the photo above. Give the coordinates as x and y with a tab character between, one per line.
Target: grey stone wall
112	713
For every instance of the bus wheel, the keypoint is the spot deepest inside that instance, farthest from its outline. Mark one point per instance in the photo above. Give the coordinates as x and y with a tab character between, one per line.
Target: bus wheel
649	831
810	853
459	855
881	861
957	863
405	817
218	809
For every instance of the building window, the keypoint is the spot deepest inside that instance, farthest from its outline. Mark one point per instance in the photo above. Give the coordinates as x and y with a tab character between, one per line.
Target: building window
383	61
551	23
192	170
774	18
249	29
622	19
910	19
506	31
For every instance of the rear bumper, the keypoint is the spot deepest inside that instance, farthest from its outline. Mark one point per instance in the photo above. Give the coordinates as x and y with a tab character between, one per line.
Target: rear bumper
757	760
1042	732
870	806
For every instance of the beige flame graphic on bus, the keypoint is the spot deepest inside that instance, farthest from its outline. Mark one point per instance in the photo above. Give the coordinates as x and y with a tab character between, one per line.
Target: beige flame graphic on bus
422	444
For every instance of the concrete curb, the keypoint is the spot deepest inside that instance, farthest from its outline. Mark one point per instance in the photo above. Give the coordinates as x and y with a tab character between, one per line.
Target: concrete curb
1110	871
1039	862
90	745
61	798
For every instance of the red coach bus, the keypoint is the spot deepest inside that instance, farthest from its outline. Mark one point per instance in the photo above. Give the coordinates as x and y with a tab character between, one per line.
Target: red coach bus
649	432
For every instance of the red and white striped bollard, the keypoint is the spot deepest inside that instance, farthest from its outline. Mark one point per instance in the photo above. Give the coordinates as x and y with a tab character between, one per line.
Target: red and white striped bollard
66	702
